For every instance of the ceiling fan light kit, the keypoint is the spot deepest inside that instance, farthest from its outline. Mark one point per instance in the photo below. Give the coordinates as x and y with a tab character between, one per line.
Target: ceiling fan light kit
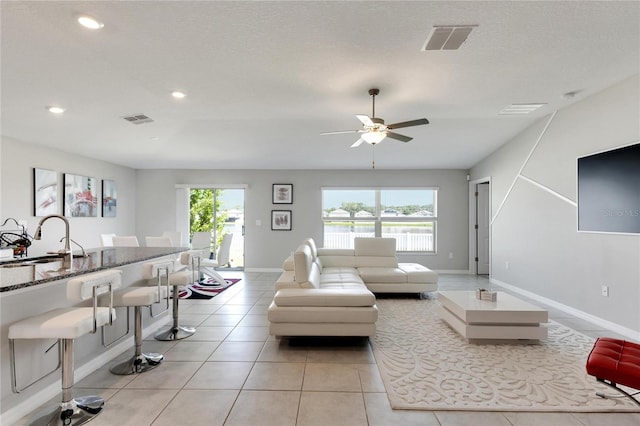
373	137
374	130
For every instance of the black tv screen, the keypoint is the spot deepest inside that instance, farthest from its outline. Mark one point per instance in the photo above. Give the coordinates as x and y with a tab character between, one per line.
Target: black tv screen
609	191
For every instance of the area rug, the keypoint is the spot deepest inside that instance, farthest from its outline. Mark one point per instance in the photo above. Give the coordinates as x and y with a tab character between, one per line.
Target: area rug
205	289
426	365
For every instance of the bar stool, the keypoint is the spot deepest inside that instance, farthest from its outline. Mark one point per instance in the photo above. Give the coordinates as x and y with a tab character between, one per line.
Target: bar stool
176	279
158	241
125	241
139	296
67	324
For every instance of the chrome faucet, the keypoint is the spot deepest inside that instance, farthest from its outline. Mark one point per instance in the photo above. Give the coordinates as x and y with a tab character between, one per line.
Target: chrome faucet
84	253
67	245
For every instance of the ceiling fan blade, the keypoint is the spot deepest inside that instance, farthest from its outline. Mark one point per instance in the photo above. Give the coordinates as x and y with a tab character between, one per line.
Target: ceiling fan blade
417	122
399	137
357	143
365	120
340	132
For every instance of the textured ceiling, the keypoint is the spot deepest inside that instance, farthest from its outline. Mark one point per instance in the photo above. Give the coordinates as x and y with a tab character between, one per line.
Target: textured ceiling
264	79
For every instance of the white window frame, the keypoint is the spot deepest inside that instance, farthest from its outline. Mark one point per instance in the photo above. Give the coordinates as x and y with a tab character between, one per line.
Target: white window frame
378	219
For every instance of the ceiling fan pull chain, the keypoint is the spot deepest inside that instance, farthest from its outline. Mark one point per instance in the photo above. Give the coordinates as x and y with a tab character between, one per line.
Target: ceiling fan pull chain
373	157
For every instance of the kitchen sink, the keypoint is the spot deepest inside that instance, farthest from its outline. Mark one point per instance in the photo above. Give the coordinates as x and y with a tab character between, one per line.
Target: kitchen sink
30	261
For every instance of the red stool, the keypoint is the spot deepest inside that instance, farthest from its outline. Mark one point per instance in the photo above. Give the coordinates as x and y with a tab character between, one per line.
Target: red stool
616	362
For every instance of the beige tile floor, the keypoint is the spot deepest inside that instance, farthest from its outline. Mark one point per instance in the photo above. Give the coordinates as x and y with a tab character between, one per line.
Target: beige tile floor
231	372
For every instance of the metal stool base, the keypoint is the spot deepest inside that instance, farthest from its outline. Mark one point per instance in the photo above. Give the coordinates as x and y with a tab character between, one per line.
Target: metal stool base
175	333
78	411
138	364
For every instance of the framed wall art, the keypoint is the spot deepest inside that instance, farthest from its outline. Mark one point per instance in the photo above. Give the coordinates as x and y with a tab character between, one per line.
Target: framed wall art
80	196
282	193
109	198
281	220
45	192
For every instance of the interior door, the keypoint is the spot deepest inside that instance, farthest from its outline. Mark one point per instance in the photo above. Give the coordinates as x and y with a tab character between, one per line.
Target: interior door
482	228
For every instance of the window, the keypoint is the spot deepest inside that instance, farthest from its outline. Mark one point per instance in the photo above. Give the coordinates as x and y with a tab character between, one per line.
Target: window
407	214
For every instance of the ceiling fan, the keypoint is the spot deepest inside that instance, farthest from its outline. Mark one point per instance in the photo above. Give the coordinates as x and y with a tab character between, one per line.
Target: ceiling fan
374	130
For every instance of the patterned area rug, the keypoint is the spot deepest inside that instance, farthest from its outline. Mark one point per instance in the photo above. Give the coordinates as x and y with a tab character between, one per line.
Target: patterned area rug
205	289
425	365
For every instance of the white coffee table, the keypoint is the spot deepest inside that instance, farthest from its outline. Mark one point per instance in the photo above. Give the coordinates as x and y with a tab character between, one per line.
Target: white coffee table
506	319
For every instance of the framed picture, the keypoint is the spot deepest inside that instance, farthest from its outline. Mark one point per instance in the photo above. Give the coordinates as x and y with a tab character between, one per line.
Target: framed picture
80	196
109	198
282	193
45	192
281	220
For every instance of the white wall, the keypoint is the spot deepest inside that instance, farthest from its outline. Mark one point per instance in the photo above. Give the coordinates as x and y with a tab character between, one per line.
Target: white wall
536	232
146	202
18	159
267	249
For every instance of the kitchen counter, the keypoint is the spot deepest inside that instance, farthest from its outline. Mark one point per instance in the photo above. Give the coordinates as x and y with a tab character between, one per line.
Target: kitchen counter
32	286
18	275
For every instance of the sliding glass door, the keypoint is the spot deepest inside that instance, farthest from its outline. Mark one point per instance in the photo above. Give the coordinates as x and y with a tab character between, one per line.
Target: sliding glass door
219	210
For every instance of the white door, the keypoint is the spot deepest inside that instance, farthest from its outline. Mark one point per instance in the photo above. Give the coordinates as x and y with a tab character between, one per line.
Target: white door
482	228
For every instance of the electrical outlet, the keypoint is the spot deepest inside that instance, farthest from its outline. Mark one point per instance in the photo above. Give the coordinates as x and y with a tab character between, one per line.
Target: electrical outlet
450	255
506	265
605	291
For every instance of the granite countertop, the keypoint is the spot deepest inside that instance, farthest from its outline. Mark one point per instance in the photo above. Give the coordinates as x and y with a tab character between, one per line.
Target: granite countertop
14	275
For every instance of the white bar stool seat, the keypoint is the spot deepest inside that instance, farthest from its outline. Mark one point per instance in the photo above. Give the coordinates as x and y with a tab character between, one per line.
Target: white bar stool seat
67	324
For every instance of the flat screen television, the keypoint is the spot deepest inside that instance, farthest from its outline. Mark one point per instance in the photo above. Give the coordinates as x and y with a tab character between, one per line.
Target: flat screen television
609	191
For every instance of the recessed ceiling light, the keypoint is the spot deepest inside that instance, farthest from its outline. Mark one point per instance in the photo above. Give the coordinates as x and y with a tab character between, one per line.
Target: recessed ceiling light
55	109
178	94
90	22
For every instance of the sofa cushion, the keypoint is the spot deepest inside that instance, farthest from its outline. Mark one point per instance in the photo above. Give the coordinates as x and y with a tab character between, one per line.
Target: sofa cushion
382	275
335	252
339	258
314	277
375	261
286	280
344	286
302	262
339	270
324	297
417	273
312	246
346	277
288	264
375	246
322	314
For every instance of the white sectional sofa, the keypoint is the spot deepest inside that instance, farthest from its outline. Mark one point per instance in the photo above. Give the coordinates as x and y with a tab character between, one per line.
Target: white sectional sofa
329	292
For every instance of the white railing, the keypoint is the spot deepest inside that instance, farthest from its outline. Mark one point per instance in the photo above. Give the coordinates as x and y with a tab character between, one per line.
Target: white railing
404	242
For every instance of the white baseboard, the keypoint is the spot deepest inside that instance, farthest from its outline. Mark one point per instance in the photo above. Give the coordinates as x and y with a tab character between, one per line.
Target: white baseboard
600	322
452	271
263	269
25	407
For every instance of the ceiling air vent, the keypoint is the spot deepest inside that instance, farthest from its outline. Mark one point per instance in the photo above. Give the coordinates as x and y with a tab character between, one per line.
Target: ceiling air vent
447	37
520	109
138	119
